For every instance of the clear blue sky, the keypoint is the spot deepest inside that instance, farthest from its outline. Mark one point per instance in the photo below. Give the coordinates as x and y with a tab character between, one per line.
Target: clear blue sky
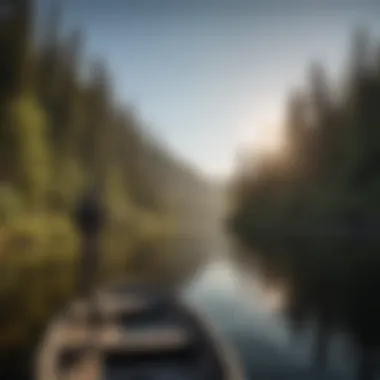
209	75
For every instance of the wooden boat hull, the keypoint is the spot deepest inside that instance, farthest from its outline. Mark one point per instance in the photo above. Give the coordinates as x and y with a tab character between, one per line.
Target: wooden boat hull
139	333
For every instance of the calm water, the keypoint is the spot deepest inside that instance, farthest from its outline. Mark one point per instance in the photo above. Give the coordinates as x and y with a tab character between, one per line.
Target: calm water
264	344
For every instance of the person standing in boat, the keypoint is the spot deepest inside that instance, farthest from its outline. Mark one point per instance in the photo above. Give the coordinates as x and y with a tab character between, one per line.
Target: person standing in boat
90	218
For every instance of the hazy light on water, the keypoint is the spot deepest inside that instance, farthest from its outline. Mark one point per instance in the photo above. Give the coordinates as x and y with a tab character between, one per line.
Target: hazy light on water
274	299
236	302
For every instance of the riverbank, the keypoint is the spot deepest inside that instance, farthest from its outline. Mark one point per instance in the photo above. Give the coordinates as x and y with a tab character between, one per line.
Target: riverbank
304	229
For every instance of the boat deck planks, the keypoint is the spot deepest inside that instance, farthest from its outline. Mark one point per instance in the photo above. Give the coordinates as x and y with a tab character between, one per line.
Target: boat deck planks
72	348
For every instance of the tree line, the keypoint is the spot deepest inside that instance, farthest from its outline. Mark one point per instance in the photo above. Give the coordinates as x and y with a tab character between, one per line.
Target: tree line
61	132
308	215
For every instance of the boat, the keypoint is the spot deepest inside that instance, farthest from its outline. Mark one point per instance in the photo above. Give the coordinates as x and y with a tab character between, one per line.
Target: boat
139	332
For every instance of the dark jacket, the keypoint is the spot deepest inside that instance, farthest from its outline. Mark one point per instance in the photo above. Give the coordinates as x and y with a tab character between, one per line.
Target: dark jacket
89	214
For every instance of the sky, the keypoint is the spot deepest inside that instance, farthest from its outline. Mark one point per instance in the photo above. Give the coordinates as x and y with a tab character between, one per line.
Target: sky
210	76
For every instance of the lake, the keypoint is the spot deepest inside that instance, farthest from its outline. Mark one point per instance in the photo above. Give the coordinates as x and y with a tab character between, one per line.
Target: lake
266	347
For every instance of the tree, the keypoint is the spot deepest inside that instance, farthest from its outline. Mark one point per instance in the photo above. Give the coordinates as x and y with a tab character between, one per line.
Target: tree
326	210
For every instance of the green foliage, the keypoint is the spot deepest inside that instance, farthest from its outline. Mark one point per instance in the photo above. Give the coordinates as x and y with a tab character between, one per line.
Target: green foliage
11	204
319	198
29	129
60	134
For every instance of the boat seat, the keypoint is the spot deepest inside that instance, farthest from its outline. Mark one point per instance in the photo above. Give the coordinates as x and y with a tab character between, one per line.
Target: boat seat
118	339
118	347
111	308
149	346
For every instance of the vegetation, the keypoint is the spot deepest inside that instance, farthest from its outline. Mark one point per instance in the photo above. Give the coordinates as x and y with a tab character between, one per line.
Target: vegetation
61	132
309	214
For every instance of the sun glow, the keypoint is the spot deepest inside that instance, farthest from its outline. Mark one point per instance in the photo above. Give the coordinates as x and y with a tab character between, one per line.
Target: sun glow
267	140
264	135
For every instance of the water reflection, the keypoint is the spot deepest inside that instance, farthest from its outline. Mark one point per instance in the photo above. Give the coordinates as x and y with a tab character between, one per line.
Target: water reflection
234	298
234	301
